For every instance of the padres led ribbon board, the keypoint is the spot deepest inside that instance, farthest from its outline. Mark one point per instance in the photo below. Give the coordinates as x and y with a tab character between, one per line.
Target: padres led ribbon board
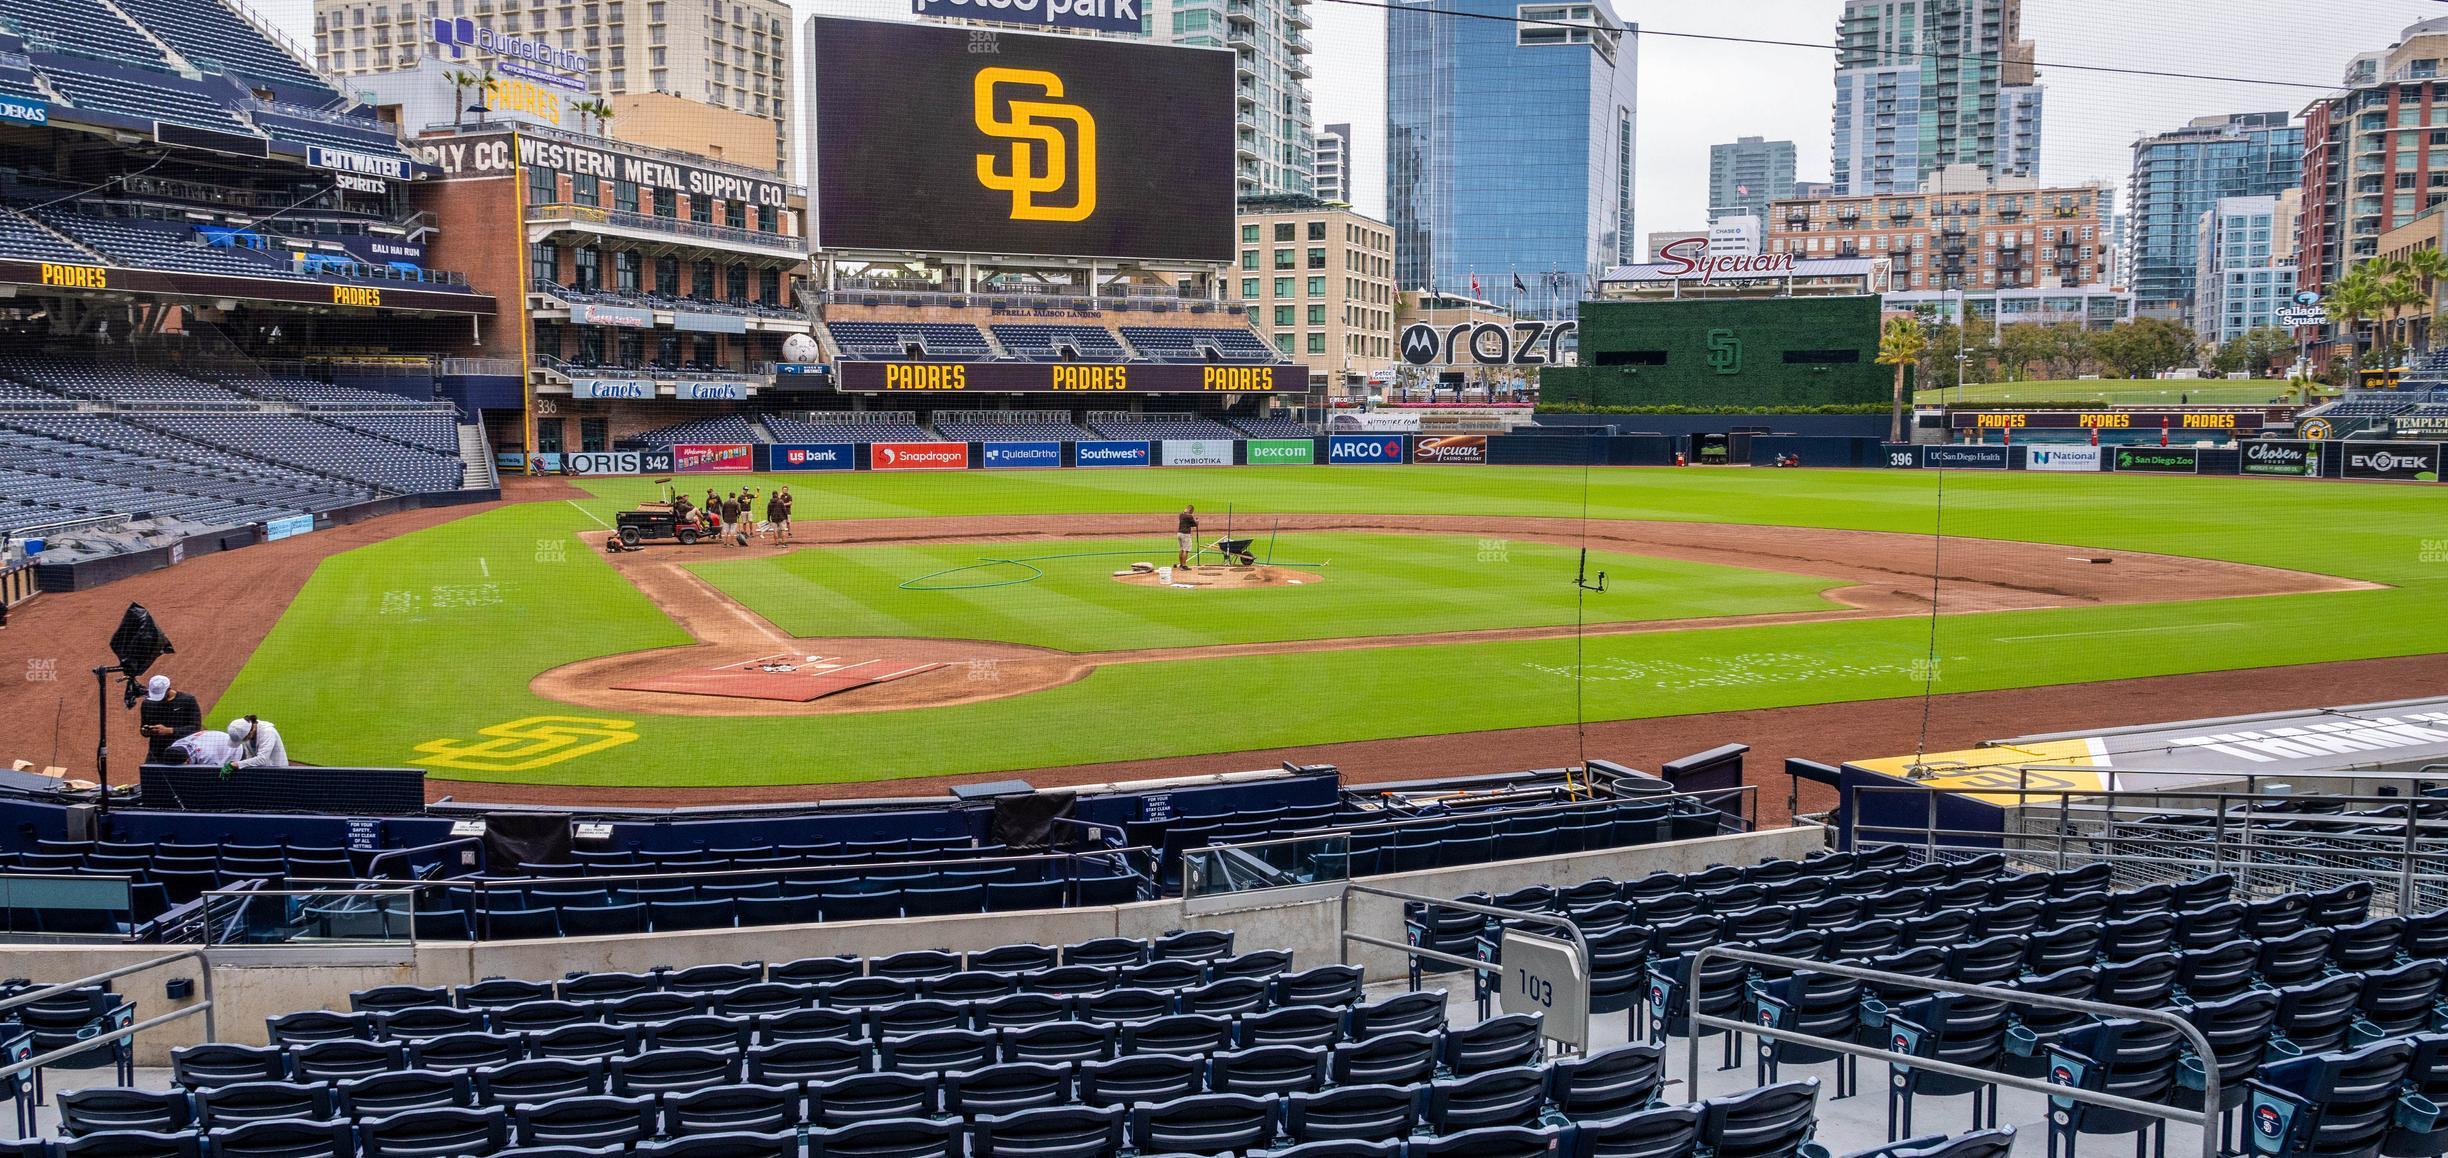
935	139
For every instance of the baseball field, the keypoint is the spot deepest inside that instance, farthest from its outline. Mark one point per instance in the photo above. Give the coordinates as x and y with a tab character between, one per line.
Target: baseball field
973	622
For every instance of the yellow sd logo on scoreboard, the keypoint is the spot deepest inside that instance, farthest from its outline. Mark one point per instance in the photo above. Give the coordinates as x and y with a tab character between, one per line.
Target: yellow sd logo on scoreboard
1044	156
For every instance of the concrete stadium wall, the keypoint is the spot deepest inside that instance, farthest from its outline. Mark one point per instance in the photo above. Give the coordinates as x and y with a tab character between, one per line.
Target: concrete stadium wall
252	985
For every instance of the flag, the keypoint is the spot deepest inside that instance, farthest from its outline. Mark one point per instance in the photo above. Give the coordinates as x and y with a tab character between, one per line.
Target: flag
1518	287
1474	285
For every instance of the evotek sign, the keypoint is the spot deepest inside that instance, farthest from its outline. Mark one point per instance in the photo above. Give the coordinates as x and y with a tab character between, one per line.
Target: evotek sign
1688	259
1527	343
1053	144
2398	460
1094	15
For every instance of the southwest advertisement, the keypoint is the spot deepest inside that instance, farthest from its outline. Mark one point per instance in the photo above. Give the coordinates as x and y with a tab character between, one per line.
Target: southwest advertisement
1019	143
1111	454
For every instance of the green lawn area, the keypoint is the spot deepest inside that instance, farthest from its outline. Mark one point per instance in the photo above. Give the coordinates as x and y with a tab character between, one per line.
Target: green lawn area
402	642
1373	585
2111	391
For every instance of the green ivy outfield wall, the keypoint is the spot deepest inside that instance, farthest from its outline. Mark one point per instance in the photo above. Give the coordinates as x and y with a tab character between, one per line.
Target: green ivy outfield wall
1726	354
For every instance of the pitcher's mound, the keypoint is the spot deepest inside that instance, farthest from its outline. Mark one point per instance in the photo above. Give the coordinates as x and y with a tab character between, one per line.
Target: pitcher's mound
1219	578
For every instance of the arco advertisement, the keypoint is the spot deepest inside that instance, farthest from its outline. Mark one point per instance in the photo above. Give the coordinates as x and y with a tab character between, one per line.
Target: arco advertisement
1364	449
918	456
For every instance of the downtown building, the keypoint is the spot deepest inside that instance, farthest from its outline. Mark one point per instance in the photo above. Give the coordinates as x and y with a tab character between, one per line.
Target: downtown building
662	65
1509	149
1274	128
2244	264
2375	154
1925	84
2181	175
1332	178
1318	282
1748	173
2007	250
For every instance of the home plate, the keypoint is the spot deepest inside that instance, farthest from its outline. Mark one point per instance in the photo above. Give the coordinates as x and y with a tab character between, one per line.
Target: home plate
795	677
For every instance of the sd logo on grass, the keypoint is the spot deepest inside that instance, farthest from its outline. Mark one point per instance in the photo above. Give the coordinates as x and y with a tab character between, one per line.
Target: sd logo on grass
534	742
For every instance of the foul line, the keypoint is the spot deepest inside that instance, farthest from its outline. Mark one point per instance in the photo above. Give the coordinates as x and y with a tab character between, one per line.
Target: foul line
590	514
2114	631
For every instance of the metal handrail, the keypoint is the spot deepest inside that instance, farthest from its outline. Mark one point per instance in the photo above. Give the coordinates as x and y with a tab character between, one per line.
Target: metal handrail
240	897
2193	1036
1553	920
203	1007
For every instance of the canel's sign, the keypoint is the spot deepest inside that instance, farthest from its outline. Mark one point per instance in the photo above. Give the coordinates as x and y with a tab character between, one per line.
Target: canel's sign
1689	258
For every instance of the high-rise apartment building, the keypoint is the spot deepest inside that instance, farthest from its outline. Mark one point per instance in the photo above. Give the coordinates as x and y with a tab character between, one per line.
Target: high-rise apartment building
1748	173
644	56
1274	132
2177	177
2244	264
2375	153
1924	84
1333	155
1509	148
1324	292
1960	230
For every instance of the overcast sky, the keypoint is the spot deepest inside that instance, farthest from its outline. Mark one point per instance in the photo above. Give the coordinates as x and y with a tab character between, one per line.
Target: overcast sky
1695	93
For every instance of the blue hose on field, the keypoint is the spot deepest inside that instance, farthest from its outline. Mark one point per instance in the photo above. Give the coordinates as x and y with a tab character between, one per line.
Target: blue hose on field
1030	564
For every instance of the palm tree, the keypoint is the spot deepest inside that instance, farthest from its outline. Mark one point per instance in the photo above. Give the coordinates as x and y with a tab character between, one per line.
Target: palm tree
1901	344
462	80
2428	267
2352	299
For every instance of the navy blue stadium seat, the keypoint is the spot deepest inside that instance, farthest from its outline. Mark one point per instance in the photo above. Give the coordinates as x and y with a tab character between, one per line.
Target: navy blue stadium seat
871	1097
598	1121
1048	1132
285	1138
442	1133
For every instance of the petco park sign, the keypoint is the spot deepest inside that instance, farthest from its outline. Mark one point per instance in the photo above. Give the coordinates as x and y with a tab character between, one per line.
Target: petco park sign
1689	260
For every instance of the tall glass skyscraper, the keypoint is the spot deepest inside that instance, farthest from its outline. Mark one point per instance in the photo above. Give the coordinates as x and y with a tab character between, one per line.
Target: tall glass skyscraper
1924	84
1509	149
2178	176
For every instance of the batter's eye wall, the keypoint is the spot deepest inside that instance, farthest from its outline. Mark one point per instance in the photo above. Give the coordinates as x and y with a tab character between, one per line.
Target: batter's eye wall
1725	354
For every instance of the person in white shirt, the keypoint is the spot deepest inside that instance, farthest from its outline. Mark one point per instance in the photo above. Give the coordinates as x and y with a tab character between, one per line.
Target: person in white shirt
258	744
205	749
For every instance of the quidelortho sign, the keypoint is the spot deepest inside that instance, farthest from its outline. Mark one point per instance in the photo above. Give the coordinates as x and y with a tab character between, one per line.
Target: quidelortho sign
1279	452
994	455
2274	456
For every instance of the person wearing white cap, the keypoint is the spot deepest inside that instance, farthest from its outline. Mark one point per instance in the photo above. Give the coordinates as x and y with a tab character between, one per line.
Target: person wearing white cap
167	715
256	744
204	749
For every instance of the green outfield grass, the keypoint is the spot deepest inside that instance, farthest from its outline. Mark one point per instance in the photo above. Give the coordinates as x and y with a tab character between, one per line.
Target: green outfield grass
2111	391
367	664
1371	585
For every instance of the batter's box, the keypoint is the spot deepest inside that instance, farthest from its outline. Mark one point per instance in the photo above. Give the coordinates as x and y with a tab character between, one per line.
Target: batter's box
794	677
